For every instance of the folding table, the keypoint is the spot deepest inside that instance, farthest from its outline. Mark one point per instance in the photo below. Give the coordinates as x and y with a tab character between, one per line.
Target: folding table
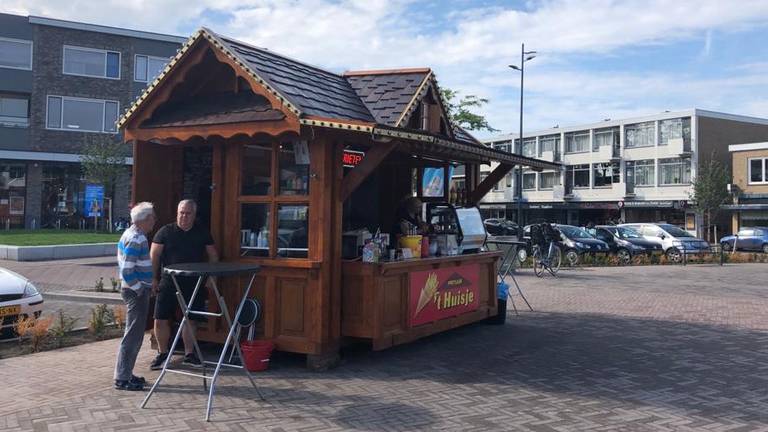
506	266
204	271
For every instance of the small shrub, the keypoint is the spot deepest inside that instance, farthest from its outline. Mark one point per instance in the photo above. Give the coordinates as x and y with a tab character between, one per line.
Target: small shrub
118	312
115	284
36	329
99	285
101	317
61	328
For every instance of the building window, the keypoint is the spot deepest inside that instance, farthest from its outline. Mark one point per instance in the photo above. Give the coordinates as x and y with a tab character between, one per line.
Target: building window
529	181
580	175
15	54
606	137
529	147
577	142
82	115
549	143
508	181
548	180
14	110
264	207
503	146
674	171
63	201
640	135
91	62
147	68
605	174
675	129
758	171
13	190
644	171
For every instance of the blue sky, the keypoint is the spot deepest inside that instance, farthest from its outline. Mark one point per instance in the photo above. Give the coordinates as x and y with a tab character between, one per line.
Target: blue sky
597	58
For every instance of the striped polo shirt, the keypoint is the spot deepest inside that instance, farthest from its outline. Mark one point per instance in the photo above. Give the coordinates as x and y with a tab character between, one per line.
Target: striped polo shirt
135	266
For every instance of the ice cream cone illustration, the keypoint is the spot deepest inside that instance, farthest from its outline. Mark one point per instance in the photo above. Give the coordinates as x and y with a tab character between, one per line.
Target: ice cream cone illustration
427	292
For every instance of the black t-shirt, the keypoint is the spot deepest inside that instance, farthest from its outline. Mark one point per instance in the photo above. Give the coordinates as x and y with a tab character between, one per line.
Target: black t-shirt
181	246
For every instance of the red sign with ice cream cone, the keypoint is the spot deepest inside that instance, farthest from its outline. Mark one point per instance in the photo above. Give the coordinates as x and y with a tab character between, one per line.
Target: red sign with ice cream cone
442	293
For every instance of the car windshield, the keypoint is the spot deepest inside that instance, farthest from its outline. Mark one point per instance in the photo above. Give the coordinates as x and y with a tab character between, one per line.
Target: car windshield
573	232
675	231
628	233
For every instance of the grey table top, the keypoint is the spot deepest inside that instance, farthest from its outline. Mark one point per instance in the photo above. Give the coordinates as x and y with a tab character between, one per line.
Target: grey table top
211	269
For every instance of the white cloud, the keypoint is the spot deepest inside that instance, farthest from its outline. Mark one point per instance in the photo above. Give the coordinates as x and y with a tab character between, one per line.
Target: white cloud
471	48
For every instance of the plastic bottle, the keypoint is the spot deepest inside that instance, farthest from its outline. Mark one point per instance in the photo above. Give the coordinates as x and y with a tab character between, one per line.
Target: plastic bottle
259	239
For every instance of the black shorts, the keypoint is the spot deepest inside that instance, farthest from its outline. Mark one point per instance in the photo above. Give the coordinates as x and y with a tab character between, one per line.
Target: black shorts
166	303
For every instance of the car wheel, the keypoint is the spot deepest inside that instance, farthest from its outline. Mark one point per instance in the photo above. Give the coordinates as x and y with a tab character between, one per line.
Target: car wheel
522	255
673	254
624	256
726	246
572	257
765	248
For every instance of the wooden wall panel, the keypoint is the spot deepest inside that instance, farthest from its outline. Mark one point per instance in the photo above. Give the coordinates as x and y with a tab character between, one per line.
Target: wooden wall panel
291	306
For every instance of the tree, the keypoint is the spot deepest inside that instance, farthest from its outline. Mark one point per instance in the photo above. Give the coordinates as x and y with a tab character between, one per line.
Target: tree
710	190
460	110
103	162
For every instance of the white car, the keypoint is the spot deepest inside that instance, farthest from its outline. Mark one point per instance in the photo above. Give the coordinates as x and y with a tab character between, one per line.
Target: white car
18	297
672	239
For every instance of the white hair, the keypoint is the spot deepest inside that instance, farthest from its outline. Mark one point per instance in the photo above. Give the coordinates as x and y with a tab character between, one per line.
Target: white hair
191	202
142	211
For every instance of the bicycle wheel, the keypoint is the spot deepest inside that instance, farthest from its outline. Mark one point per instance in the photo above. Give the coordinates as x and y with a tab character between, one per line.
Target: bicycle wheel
555	259
538	265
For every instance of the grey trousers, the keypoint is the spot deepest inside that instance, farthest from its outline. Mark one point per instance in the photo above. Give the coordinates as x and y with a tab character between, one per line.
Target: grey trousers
137	308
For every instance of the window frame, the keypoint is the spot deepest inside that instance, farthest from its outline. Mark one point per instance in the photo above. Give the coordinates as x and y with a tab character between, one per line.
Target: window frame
274	199
541	176
588	169
61	114
31	53
11	123
587	148
535	180
654	134
749	171
148	57
682	163
649	163
96	50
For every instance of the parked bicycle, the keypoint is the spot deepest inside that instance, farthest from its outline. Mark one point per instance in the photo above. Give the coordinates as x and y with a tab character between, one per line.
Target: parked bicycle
544	238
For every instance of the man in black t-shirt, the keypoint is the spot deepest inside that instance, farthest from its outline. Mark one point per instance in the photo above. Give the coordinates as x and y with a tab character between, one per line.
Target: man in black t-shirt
180	242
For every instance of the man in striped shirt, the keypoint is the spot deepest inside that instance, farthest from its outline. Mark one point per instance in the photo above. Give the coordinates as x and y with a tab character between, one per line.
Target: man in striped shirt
135	271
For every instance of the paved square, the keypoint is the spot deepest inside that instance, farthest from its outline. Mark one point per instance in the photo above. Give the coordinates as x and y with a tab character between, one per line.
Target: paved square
631	349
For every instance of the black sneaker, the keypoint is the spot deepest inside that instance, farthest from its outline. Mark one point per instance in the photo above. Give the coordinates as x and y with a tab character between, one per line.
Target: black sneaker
128	385
158	362
192	360
138	379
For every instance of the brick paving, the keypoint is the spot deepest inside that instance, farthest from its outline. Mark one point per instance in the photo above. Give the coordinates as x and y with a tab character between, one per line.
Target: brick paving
630	349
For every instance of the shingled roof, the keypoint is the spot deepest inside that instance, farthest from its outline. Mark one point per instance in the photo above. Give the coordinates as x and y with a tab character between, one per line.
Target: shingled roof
387	93
313	90
376	102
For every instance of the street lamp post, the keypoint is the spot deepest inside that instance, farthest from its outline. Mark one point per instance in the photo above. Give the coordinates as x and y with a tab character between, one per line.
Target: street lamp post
524	57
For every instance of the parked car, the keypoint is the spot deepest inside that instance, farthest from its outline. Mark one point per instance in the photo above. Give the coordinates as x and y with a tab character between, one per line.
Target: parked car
672	239
624	242
500	227
18	298
752	238
577	241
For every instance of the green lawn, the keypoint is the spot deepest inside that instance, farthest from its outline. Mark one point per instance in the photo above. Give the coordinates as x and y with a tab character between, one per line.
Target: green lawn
54	237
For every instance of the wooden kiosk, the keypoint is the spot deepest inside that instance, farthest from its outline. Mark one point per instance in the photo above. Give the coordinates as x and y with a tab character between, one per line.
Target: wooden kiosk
282	158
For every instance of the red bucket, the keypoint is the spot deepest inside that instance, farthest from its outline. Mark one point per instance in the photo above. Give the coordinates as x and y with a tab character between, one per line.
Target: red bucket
256	354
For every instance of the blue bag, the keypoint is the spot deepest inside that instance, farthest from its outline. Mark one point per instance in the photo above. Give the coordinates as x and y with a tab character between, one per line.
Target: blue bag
502	290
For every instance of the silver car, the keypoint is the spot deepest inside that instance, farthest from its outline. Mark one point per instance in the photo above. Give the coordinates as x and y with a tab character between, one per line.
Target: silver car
672	239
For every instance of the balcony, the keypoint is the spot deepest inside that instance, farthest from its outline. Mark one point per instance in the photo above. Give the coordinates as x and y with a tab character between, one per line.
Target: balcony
623	190
678	146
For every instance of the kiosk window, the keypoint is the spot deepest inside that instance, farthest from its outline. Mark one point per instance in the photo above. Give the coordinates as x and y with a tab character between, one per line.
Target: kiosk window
292	231
254	230
294	168
257	170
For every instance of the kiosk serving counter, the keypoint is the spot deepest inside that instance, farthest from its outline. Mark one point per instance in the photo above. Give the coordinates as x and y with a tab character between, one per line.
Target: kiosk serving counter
283	158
